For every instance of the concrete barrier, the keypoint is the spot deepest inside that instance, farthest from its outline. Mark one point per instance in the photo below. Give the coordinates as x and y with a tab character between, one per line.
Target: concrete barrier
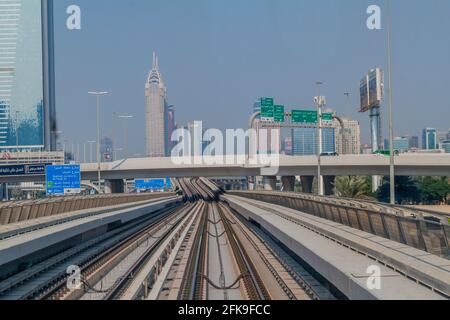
13	212
393	223
342	255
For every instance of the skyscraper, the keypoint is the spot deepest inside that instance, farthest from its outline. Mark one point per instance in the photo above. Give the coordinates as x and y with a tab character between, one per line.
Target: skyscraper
304	141
348	139
170	127
414	142
446	146
429	139
107	149
156	104
27	98
257	107
401	144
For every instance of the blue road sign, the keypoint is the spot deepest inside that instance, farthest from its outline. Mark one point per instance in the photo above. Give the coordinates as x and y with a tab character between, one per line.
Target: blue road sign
152	184
63	180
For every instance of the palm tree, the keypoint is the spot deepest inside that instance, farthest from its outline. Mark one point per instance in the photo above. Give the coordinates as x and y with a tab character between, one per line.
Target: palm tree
352	187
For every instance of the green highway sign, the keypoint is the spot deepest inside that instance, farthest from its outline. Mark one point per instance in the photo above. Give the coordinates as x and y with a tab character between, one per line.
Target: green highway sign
304	116
278	113
267	102
267	114
327	117
267	110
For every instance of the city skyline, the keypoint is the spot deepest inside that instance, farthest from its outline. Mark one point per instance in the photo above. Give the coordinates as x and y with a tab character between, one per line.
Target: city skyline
211	79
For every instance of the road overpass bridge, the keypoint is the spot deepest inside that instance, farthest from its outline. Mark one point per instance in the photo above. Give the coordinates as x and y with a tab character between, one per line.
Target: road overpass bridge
406	165
289	166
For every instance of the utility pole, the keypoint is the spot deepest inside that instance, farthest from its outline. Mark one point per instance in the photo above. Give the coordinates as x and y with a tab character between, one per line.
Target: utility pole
390	107
319	103
98	94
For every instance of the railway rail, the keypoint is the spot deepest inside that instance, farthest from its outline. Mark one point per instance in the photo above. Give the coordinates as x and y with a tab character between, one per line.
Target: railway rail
200	249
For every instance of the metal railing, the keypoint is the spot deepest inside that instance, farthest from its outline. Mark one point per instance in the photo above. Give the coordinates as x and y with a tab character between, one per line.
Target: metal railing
14	212
396	223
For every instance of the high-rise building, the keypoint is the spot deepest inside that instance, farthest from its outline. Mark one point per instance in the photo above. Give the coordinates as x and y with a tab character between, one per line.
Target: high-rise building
170	127
414	142
445	145
107	149
400	143
257	107
348	139
441	137
429	139
156	104
27	97
304	141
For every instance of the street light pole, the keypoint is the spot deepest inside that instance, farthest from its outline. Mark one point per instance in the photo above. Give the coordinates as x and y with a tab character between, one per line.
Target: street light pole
98	94
319	140
391	126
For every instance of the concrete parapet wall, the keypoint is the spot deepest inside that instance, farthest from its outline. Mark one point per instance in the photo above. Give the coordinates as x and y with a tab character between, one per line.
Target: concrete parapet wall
430	236
21	241
342	255
14	212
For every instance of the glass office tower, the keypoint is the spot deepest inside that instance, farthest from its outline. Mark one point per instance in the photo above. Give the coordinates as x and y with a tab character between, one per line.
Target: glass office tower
304	141
429	139
27	110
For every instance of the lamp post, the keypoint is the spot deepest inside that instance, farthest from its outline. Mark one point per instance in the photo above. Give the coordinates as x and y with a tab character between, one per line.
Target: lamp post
391	126
98	94
319	103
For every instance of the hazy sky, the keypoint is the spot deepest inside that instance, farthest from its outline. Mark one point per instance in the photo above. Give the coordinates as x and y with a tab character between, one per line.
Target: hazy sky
218	56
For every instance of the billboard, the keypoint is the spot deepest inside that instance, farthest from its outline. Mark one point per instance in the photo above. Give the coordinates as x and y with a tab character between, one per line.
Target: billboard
22	91
22	170
371	89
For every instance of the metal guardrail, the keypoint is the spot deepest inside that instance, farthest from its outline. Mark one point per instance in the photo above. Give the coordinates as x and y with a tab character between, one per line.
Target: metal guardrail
388	222
14	212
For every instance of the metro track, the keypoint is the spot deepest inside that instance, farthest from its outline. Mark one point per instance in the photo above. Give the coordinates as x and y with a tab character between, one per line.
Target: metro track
42	280
199	250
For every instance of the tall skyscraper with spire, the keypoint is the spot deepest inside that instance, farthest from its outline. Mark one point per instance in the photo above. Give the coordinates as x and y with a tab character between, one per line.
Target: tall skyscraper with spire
156	105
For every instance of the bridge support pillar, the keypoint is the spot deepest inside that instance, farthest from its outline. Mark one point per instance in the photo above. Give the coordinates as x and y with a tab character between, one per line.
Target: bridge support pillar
114	186
288	183
328	182
307	184
270	183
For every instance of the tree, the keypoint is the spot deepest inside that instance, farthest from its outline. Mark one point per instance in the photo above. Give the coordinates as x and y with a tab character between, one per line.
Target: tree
406	191
353	187
434	190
